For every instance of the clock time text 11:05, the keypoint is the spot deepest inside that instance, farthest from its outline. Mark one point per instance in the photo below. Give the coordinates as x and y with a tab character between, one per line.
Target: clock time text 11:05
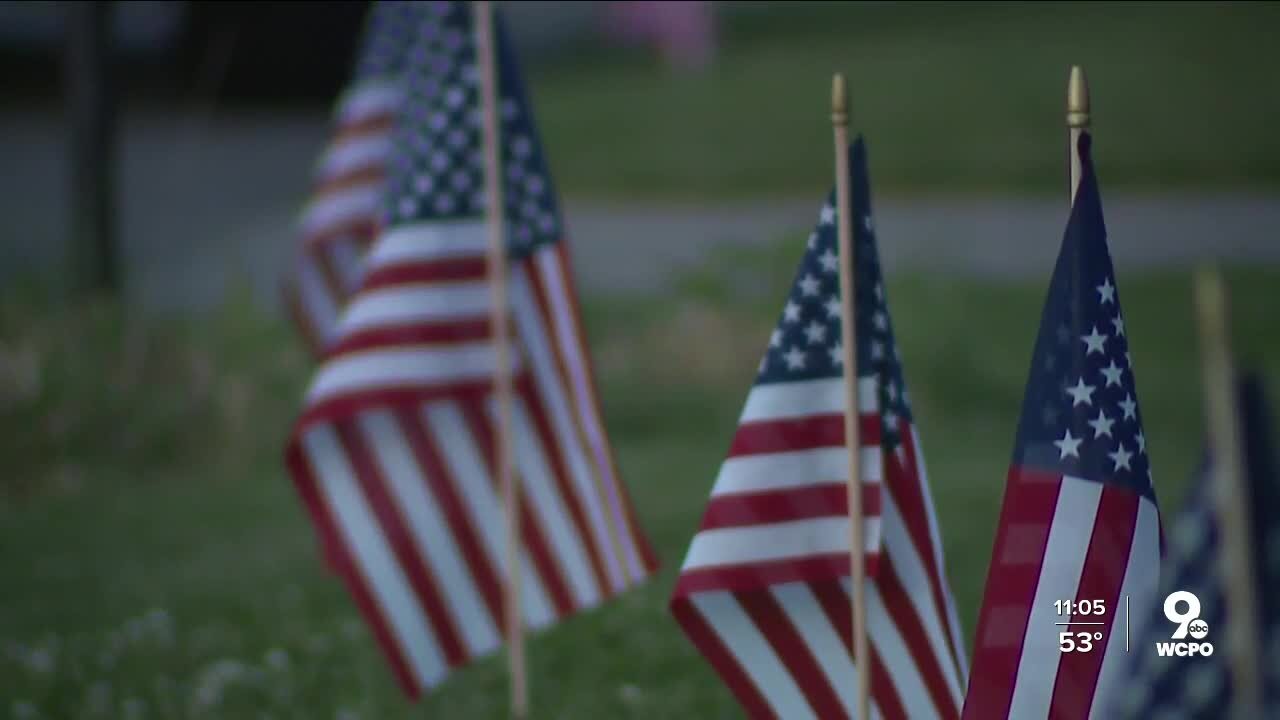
1080	607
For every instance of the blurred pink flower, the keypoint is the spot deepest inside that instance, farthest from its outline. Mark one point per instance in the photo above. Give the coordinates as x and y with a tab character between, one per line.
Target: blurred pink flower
684	33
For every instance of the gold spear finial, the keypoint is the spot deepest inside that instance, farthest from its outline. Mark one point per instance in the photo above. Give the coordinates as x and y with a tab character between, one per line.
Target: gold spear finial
1077	99
839	100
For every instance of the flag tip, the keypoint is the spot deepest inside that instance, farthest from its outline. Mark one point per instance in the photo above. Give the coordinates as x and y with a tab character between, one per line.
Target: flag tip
839	100
1077	99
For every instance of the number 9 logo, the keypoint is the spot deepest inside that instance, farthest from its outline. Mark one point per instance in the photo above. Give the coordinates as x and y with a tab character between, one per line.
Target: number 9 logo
1182	620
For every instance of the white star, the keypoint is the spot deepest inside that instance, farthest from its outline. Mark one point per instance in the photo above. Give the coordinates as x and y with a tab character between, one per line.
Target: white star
795	359
816	332
1121	458
1068	445
1118	322
775	338
827	215
866	223
877	350
881	321
1142	442
830	263
1101	425
1081	393
764	362
813	240
879	291
1112	374
1128	360
833	307
1093	341
809	285
891	422
836	352
892	391
791	313
1128	405
1106	292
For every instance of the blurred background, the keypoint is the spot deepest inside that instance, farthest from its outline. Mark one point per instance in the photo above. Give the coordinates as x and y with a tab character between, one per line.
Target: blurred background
156	562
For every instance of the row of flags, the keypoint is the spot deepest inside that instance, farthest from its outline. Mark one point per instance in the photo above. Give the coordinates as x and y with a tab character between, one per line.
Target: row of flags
394	450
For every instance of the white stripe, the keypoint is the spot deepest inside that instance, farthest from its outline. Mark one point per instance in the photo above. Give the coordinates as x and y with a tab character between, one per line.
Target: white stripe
914	577
471	480
431	531
547	378
935	540
1141	580
345	256
565	322
1065	551
428	241
417	642
317	303
412	304
353	155
393	367
898	662
338	208
369	98
815	629
568	550
778	401
775	541
795	469
742	638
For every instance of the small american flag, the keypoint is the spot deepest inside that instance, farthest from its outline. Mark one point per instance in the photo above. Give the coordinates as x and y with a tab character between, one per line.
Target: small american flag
1200	688
394	451
764	590
340	218
1079	520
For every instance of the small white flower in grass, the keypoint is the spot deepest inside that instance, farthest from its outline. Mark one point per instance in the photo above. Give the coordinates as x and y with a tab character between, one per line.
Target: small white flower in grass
277	659
630	694
213	681
24	710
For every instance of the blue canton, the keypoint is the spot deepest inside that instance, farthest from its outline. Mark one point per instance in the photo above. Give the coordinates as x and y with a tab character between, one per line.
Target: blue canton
1199	687
1080	413
438	171
807	343
389	31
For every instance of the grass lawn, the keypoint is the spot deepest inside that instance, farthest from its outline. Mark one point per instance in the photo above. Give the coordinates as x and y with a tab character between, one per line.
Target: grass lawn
956	97
157	564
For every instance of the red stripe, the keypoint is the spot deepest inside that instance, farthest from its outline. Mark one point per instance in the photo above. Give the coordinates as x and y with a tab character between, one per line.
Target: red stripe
1030	498
336	407
1101	578
361	230
811	568
442	486
776	506
807	433
551	451
532	534
339	558
380	123
776	626
373	174
910	628
638	538
907	489
725	664
391	522
420	272
837	606
418	333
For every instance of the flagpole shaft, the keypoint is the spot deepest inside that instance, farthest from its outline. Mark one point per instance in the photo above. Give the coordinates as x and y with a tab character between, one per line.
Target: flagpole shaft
844	216
1229	492
503	391
1078	120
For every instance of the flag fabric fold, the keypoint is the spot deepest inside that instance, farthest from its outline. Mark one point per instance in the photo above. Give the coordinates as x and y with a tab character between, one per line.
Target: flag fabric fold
1079	521
393	453
764	590
1201	688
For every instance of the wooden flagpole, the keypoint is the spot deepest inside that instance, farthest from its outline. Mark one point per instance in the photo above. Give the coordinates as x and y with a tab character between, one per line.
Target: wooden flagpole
849	357
1077	123
1230	493
499	328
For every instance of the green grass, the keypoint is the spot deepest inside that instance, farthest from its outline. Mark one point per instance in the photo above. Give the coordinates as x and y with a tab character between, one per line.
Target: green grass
157	564
955	97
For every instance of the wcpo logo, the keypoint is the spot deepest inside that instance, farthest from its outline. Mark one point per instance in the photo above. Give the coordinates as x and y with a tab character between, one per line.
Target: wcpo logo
1189	623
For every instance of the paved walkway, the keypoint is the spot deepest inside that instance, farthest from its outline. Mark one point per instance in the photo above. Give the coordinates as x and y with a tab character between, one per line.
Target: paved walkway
203	206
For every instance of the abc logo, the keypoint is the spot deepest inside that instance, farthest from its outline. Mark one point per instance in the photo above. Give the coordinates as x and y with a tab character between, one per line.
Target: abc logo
1183	609
1198	629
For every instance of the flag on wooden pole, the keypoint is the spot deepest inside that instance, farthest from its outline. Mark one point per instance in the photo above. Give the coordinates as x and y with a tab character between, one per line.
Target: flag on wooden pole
394	451
1079	520
764	589
340	218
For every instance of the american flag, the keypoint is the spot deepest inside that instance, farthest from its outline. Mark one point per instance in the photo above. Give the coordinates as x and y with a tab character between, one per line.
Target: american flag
394	451
340	218
1196	688
1079	520
764	590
